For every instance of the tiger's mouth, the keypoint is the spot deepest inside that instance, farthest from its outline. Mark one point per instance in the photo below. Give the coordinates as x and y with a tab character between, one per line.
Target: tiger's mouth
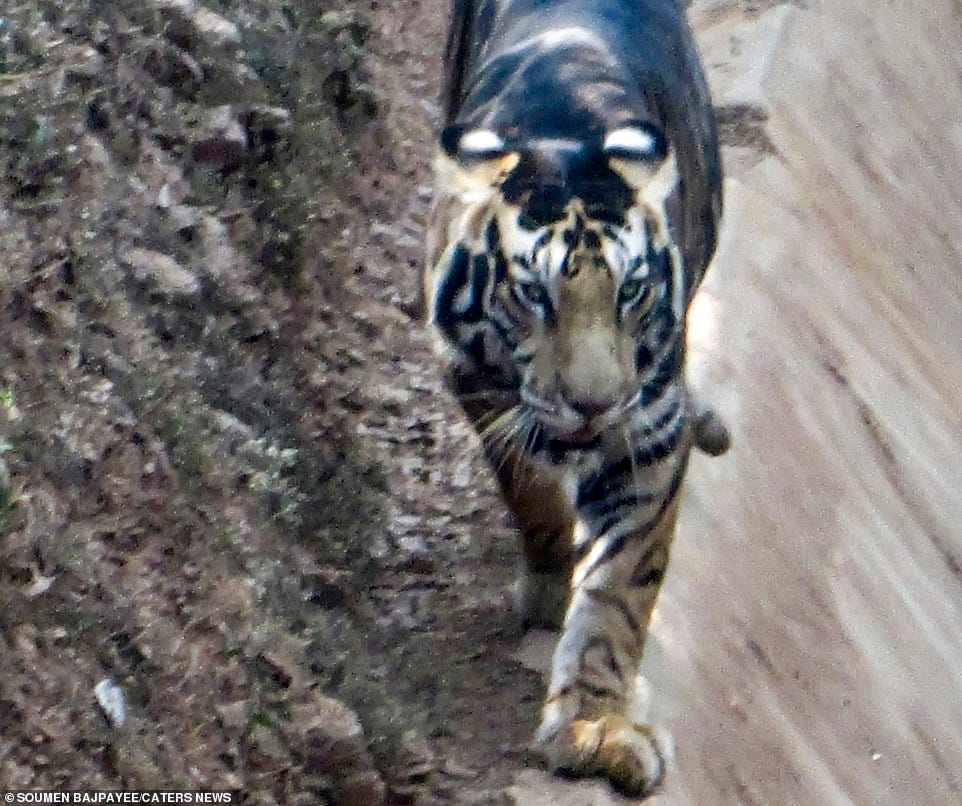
577	437
563	426
560	444
582	437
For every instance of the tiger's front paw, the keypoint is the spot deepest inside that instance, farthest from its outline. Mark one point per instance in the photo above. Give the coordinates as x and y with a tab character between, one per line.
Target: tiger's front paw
633	757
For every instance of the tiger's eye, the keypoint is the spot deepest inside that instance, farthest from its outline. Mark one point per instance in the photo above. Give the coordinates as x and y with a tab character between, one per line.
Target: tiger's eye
634	292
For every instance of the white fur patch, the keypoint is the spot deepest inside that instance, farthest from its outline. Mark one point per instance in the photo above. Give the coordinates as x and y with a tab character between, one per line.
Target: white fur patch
631	143
481	144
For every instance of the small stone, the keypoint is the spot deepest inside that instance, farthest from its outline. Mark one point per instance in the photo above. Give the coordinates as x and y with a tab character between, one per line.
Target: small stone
363	787
419	562
198	26
463	476
216	31
173	191
220	139
334	734
394	397
337	747
165	273
455	770
183	217
110	698
323	589
222	263
41	585
99	392
8	412
174	67
412	544
233	716
264	742
345	20
274	119
86	63
180	8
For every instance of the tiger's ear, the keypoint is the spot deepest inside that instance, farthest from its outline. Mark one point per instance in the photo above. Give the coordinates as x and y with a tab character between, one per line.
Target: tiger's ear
639	154
638	142
472	145
478	157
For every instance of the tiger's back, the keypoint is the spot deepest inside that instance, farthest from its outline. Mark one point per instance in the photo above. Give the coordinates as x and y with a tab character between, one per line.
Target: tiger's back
577	200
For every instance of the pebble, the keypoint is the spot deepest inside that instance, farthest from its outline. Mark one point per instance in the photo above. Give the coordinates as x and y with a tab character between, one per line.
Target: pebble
188	20
110	698
220	139
262	118
167	275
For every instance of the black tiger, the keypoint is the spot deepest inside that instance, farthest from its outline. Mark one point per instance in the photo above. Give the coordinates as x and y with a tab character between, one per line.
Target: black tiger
578	198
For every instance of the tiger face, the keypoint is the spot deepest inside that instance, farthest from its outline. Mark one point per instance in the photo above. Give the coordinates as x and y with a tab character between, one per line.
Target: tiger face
553	276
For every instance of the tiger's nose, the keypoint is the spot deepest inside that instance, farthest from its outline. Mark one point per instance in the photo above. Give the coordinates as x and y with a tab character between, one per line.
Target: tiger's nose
589	406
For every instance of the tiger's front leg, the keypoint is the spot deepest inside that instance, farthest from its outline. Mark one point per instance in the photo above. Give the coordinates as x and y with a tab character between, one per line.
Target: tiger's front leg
586	727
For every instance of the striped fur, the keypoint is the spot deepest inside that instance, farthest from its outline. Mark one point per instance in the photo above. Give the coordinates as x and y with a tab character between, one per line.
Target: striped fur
578	193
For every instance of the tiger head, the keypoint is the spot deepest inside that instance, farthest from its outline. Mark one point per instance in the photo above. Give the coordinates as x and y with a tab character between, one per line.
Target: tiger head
553	275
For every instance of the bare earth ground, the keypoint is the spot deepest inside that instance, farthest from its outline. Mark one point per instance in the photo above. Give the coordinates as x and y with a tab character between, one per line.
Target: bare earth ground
230	480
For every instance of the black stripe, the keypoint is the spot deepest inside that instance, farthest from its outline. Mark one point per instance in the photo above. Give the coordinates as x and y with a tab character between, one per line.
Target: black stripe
453	280
597	692
500	266
658	260
500	328
579	552
596	508
614	602
664	323
658	450
667	371
537	443
572	237
650	429
615	546
474	348
653	577
643	357
479	286
609	523
660	264
492	237
598	487
542	241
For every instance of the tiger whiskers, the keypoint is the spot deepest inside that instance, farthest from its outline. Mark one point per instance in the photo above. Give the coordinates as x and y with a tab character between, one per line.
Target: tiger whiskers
500	436
492	396
630	443
507	437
